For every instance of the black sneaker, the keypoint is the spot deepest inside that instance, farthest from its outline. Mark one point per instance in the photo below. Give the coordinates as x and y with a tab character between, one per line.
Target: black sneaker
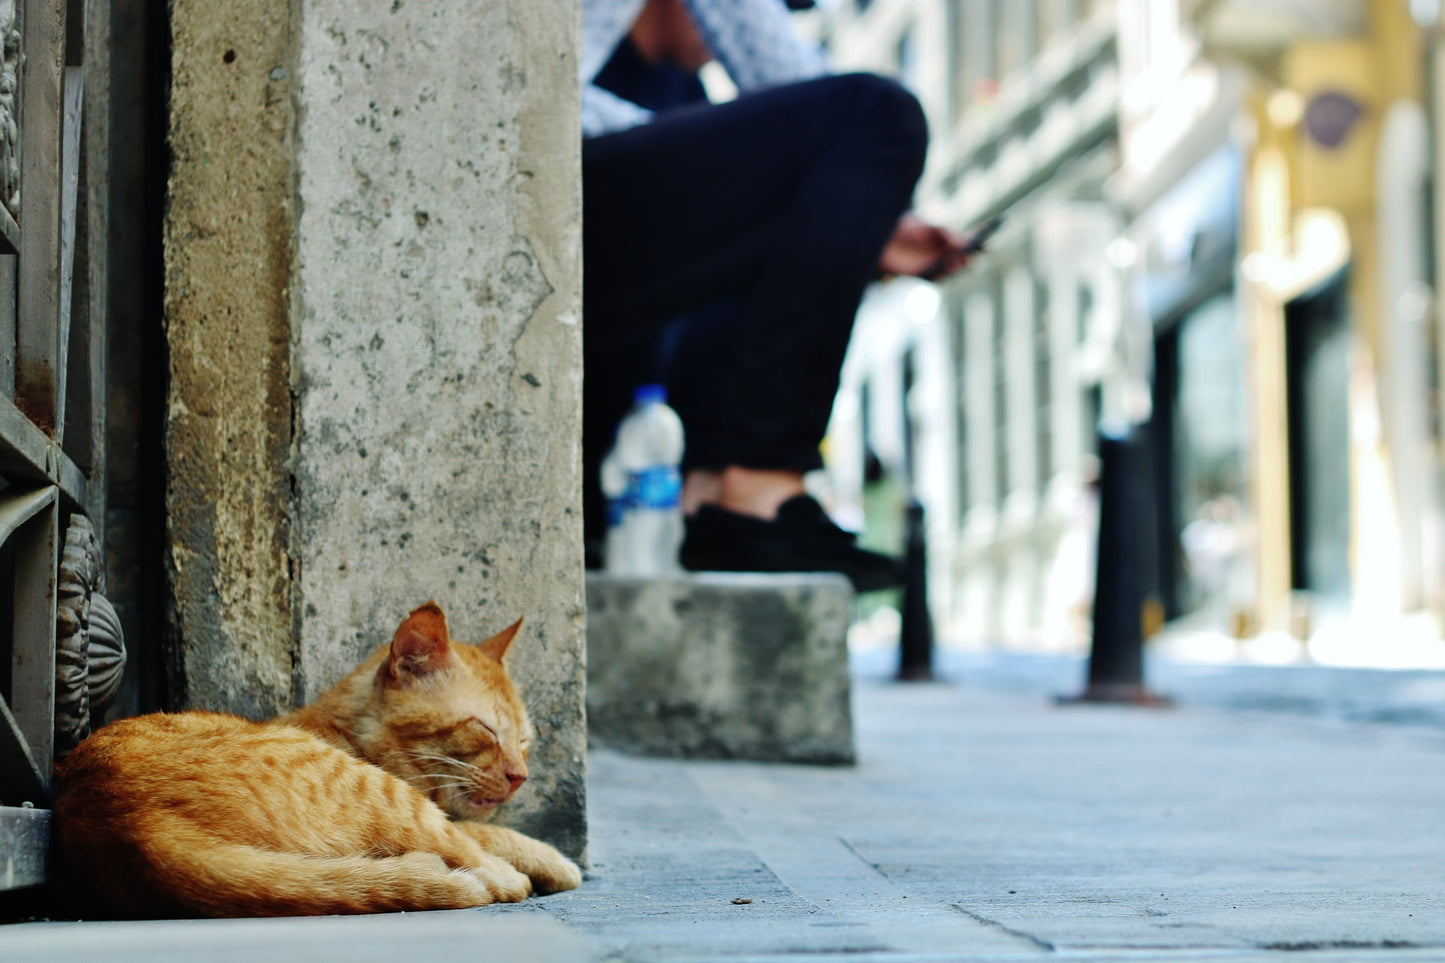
801	539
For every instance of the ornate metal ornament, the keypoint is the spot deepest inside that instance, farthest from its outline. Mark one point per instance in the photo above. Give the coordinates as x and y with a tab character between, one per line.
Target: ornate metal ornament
90	647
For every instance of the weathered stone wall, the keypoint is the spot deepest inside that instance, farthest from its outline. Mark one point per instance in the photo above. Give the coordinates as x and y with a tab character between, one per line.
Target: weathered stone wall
438	365
374	280
228	251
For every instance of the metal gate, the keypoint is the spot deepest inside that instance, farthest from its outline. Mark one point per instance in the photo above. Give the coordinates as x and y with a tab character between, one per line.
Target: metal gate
53	229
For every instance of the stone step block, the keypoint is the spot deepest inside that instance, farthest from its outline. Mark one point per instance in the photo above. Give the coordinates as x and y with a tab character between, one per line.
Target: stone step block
721	665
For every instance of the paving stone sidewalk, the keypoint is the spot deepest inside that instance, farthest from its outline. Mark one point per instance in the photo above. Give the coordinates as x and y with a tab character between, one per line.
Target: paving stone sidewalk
977	825
987	826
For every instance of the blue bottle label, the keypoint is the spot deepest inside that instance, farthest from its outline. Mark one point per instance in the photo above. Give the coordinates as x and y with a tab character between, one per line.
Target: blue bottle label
658	488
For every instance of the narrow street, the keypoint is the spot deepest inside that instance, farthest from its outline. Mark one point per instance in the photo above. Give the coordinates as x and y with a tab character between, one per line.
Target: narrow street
979	824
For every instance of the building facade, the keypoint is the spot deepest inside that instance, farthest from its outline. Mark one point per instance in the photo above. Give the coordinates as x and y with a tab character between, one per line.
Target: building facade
1310	478
984	394
1218	237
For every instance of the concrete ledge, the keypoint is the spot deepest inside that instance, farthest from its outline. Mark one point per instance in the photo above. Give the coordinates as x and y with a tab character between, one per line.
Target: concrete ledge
24	846
721	666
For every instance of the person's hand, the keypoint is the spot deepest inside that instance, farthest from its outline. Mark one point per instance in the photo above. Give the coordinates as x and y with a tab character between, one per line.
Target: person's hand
923	250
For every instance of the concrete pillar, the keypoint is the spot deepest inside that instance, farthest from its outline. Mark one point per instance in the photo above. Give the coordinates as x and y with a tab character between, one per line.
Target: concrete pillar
1265	229
228	253
373	287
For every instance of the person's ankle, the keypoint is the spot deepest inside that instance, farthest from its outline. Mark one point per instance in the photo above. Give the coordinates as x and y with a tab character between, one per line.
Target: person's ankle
757	492
700	486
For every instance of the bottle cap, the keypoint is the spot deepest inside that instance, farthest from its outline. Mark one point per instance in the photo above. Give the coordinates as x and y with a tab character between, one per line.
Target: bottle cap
647	394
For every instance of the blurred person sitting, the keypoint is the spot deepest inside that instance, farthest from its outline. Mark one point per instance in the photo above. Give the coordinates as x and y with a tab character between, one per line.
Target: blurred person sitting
727	247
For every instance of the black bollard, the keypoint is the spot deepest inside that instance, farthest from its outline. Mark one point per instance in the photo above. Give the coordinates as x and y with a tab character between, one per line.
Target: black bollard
915	637
1116	657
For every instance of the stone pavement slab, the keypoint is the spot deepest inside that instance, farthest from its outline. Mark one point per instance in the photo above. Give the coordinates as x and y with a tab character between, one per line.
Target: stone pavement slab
998	826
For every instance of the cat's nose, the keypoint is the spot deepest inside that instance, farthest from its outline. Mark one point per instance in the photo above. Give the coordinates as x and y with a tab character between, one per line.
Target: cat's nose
516	779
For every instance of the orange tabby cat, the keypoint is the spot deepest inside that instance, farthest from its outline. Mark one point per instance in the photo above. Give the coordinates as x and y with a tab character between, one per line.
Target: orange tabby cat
339	807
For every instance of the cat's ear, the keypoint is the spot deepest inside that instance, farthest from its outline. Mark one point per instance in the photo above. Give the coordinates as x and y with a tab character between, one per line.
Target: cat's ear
422	644
496	646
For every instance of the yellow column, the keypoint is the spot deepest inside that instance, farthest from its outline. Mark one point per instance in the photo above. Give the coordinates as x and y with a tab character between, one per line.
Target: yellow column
1265	235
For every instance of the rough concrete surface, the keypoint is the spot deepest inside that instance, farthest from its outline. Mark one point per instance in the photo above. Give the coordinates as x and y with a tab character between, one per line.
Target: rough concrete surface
228	424
372	295
437	350
979	826
721	665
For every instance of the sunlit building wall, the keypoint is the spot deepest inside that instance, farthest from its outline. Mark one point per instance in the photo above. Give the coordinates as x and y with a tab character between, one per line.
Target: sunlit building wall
1178	194
980	395
1222	206
1335	286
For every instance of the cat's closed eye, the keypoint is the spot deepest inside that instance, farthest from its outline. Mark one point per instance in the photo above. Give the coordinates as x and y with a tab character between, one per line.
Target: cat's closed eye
472	737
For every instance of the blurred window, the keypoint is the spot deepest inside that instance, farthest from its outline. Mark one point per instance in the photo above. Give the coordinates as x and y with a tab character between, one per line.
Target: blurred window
976	70
1017	37
1211	435
1020	319
953	60
1092	403
1055	16
981	400
908	73
1043	385
1085	308
1003	481
958	331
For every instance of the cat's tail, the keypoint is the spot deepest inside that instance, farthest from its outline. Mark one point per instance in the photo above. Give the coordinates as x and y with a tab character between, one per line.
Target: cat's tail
232	879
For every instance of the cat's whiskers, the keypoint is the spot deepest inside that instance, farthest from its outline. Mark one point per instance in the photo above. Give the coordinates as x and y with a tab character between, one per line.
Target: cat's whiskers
449	760
425	788
448	787
435	775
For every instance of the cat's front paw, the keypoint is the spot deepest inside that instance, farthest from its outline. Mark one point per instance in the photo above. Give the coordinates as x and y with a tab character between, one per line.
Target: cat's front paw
551	872
503	882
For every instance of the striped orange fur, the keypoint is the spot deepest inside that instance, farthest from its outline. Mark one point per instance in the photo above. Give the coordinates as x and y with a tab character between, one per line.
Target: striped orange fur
369	800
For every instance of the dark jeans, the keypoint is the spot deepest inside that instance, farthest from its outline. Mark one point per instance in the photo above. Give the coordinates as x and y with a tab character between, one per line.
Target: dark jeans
758	223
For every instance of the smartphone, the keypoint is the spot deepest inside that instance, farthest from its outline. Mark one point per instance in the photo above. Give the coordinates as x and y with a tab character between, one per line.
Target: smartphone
978	240
972	244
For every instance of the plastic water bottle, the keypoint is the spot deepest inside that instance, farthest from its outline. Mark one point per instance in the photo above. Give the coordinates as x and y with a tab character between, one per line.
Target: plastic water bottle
615	490
645	522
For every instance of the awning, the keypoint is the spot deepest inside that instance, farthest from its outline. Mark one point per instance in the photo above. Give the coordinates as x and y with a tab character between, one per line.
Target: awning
1261	28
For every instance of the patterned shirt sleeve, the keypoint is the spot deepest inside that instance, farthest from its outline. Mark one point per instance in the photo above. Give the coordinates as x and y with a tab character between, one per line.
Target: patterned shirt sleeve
604	112
604	24
754	40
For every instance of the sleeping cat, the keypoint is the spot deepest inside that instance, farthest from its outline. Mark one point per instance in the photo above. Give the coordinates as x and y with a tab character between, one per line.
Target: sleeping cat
338	807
